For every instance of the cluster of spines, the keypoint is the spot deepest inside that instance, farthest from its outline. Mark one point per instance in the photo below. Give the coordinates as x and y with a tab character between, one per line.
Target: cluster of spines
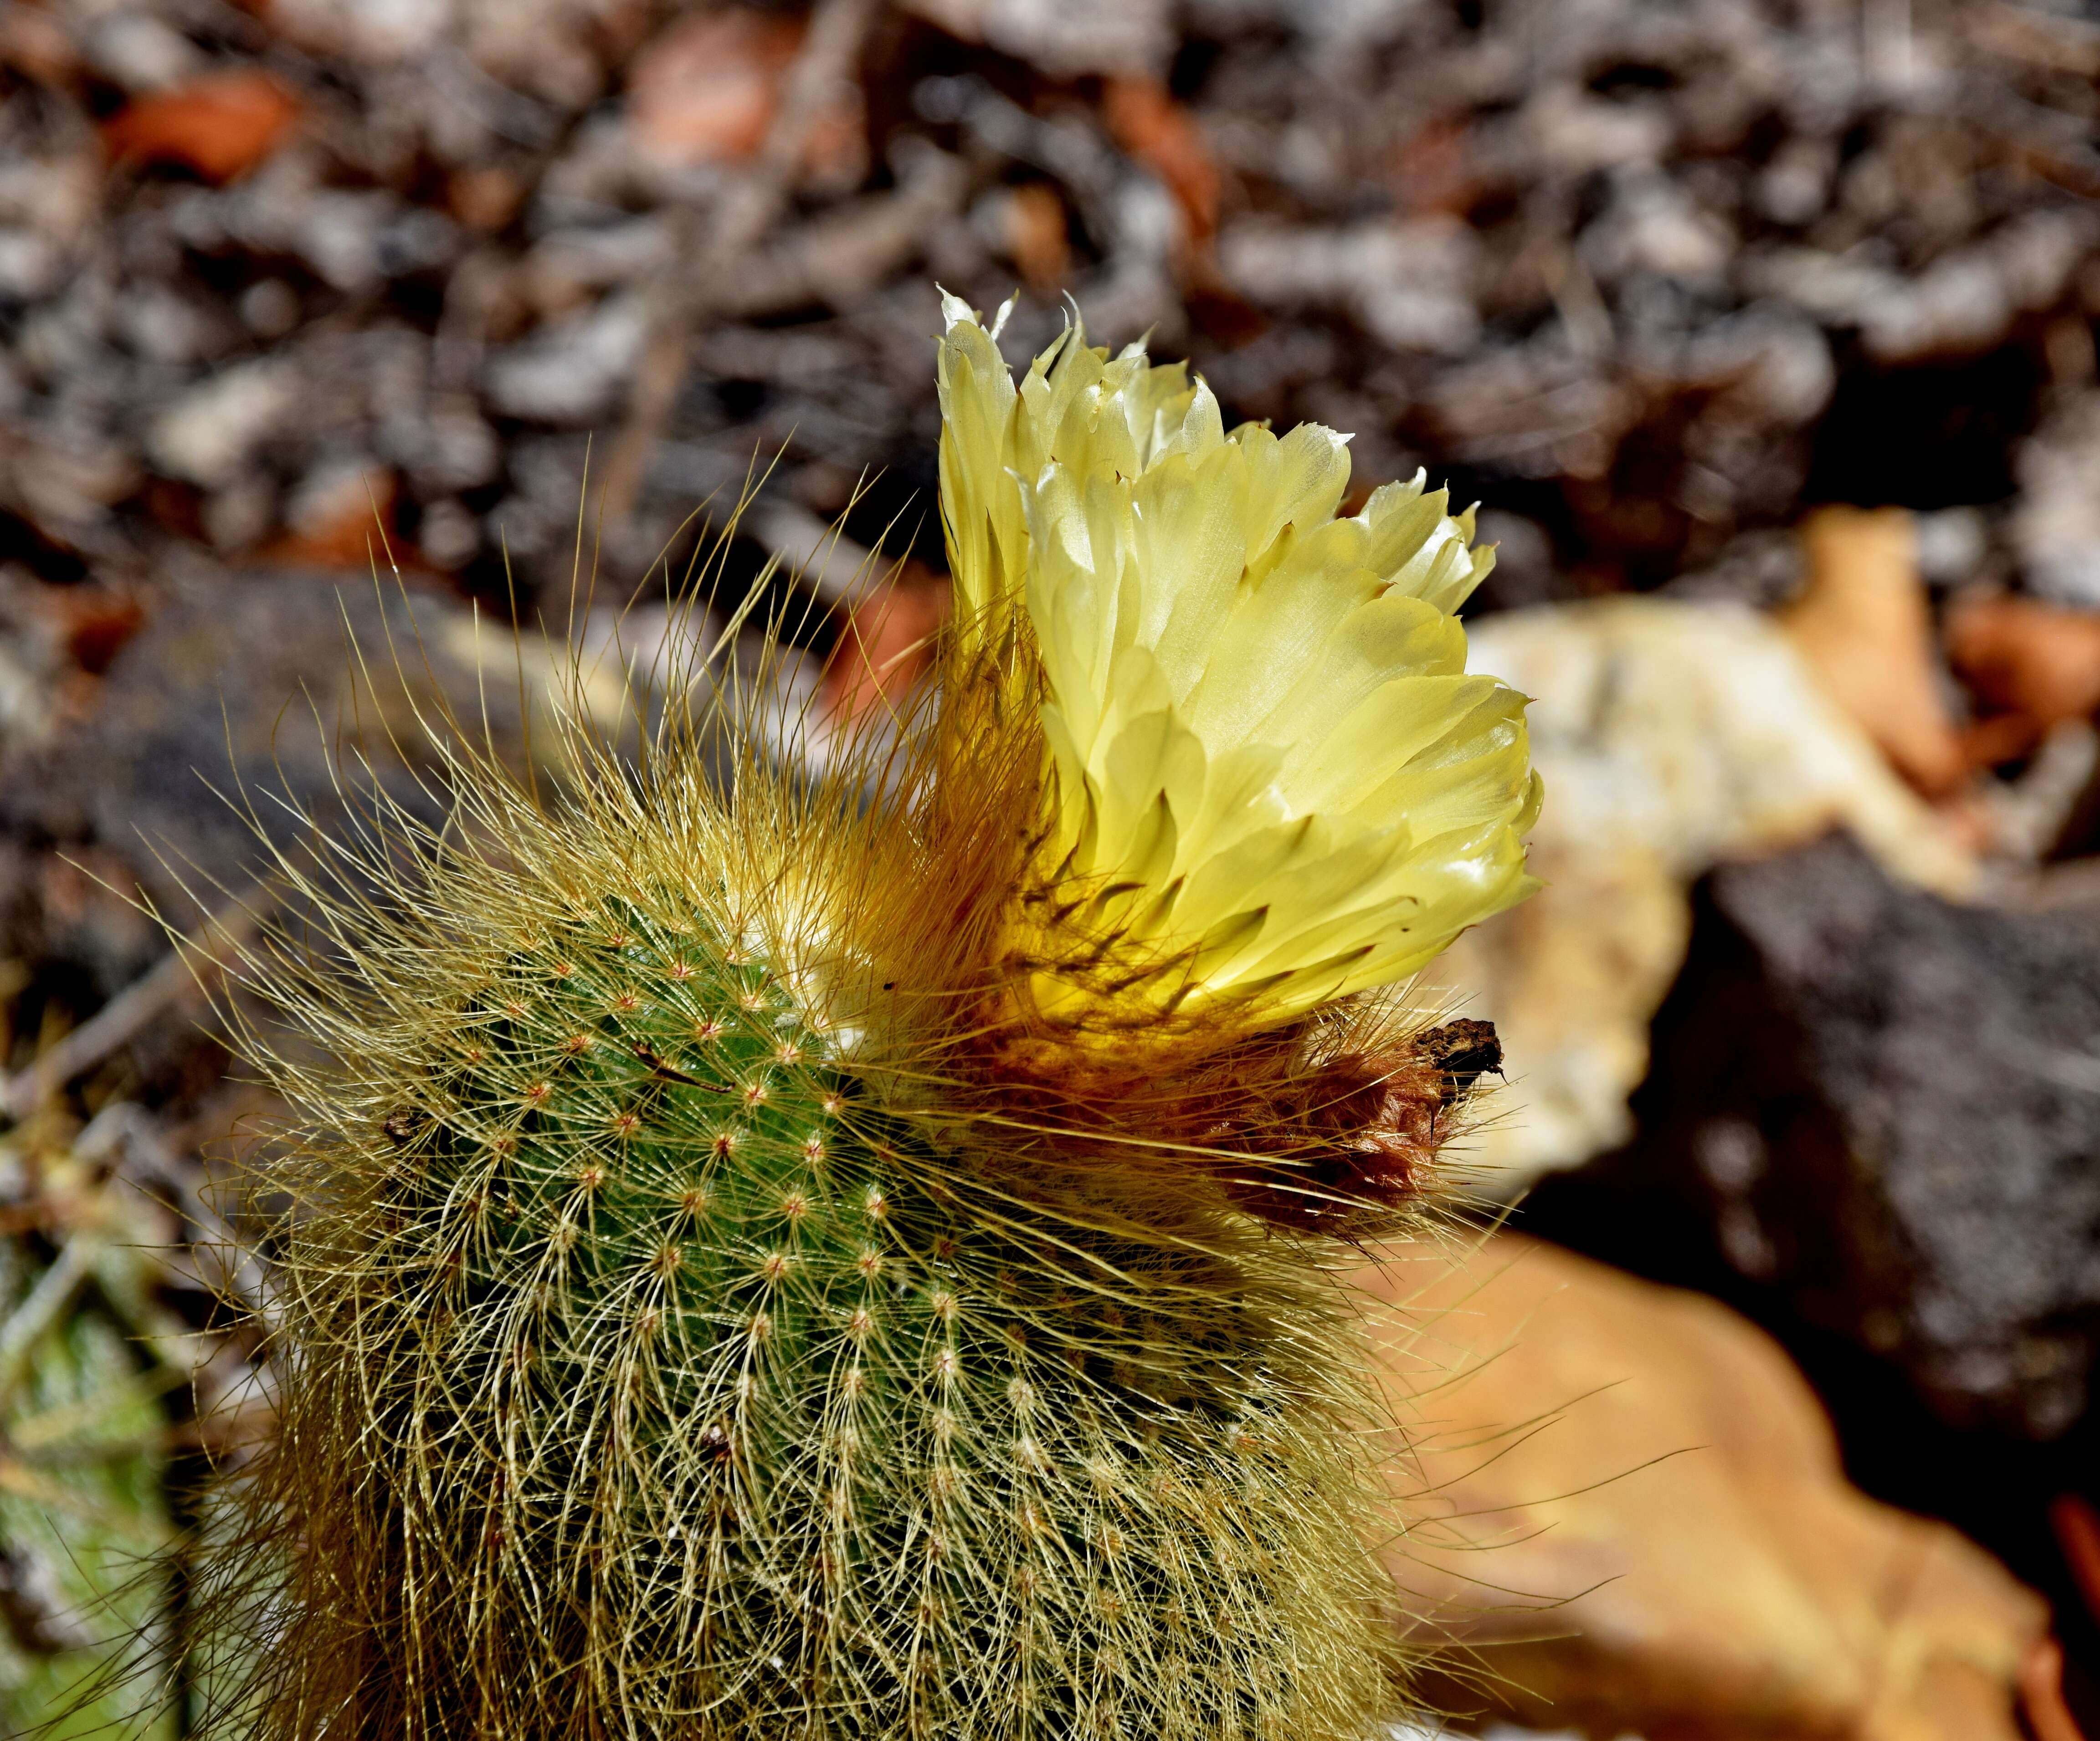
669	1367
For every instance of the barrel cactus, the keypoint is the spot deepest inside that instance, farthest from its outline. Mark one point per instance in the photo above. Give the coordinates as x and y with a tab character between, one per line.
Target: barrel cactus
857	1254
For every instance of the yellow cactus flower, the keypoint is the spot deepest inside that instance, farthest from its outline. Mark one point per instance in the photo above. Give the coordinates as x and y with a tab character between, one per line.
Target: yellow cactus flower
1273	780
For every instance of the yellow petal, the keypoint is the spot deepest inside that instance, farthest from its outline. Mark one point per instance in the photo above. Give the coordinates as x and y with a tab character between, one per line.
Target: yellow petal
1272	777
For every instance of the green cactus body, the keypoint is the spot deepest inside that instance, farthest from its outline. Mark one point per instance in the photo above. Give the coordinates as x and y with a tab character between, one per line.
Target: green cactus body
700	1393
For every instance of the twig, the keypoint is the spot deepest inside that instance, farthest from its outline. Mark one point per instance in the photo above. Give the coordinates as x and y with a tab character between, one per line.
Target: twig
34	1629
820	554
130	1010
707	249
242	1273
45	1304
2041	1694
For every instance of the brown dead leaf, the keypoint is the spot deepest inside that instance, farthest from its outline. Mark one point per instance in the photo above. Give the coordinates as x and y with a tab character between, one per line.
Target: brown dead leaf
353	528
2030	667
705	91
2076	1526
1863	624
887	643
38	45
1630	1503
219	127
483	199
1038	239
99	622
1164	136
1432	171
834	153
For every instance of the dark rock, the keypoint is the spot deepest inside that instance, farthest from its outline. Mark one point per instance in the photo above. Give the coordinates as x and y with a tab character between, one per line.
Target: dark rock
249	700
249	695
1884	1110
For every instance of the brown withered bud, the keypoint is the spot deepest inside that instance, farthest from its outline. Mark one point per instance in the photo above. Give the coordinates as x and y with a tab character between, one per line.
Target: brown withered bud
1464	1051
1364	1133
402	1124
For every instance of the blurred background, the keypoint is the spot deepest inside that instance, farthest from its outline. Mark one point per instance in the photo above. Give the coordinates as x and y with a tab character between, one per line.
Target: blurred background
1762	331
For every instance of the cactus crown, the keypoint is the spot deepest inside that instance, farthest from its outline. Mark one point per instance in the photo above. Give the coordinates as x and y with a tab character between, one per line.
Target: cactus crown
774	1260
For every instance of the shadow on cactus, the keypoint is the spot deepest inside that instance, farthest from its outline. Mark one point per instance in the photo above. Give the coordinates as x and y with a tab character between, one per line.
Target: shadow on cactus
859	1254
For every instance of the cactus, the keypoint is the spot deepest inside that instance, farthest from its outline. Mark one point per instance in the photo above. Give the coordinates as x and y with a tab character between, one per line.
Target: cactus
858	1255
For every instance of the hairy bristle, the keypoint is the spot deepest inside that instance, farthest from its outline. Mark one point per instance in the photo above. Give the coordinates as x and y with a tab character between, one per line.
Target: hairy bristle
770	1251
712	1308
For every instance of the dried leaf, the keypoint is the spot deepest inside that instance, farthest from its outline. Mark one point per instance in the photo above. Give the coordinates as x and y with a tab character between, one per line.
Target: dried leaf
1611	1443
2030	667
1162	135
1861	622
219	127
348	528
1038	237
888	641
706	90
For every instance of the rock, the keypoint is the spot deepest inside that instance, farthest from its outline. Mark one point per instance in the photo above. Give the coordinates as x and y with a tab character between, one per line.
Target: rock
1671	737
1565	126
1634	1520
139	52
31	662
1408	283
245	678
2055	524
210	433
238	516
571	264
1605	262
1883	1107
1960	304
1653	224
1965	301
269	308
1064	38
66	484
447	535
157	322
841	256
371	31
351	238
573	370
550	49
445	444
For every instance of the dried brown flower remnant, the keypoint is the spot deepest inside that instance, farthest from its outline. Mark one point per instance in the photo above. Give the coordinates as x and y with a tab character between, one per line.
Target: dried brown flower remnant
1363	1131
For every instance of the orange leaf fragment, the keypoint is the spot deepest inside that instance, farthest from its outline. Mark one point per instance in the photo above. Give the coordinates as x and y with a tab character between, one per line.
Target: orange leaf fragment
706	90
1863	624
1164	136
2030	667
219	127
888	642
1038	237
352	528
